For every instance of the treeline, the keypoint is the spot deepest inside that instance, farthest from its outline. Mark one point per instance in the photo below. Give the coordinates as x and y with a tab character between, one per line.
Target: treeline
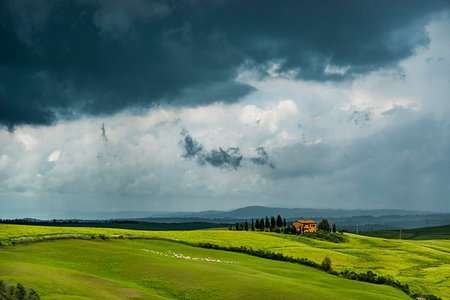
278	225
326	266
18	292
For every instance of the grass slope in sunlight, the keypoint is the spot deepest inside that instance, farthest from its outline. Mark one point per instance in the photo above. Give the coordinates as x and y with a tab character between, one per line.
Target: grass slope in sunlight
117	269
424	265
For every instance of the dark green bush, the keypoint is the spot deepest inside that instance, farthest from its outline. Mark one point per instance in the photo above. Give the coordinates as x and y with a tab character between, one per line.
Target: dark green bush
8	292
334	237
326	264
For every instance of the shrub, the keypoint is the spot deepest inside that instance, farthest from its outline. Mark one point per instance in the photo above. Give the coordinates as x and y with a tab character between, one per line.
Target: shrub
326	264
103	237
19	292
327	236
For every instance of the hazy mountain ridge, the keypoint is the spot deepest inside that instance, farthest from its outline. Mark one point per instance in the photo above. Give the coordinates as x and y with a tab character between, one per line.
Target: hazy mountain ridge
360	219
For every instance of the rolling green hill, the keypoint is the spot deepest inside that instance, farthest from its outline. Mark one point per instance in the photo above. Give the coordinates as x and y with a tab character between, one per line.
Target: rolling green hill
117	269
427	233
424	265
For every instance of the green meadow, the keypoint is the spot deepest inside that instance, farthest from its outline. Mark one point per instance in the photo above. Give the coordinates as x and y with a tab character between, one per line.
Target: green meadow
117	269
423	264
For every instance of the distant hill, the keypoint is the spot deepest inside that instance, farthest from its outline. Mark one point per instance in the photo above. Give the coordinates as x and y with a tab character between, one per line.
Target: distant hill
364	220
258	211
261	211
426	233
344	219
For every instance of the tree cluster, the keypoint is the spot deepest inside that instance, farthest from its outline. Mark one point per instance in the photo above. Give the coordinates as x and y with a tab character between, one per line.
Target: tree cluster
278	225
18	292
325	226
273	224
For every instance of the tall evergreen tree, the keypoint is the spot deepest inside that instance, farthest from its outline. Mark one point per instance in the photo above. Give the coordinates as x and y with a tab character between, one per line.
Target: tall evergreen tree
237	226
284	222
246	226
267	222
257	224
324	225
261	224
272	222
279	221
253	225
334	228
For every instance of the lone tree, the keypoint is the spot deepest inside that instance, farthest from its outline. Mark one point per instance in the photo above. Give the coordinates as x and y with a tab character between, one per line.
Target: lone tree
324	225
326	264
279	221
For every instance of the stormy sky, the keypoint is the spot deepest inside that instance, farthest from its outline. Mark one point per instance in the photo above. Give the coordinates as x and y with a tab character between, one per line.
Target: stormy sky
109	105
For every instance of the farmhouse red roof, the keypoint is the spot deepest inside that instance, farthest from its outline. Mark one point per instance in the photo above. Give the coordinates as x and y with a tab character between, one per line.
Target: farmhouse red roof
305	221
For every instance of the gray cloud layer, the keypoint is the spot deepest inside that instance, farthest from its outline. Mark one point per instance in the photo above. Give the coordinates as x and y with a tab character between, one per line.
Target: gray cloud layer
62	59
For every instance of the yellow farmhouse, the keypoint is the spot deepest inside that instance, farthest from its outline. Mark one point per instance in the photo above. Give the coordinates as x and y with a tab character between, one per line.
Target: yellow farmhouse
305	226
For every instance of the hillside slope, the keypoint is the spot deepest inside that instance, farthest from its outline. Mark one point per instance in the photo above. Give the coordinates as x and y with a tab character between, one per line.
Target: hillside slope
119	269
423	265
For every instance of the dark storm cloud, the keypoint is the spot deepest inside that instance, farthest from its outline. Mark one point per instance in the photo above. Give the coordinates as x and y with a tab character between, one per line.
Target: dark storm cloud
191	147
220	158
262	158
228	159
62	59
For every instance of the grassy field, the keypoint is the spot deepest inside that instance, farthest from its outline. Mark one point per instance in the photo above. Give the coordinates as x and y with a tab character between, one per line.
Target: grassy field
427	233
117	269
424	265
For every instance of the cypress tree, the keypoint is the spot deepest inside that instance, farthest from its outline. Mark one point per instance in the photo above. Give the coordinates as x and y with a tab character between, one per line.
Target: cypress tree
237	226
253	225
284	222
272	222
334	227
246	226
257	224
279	221
267	222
